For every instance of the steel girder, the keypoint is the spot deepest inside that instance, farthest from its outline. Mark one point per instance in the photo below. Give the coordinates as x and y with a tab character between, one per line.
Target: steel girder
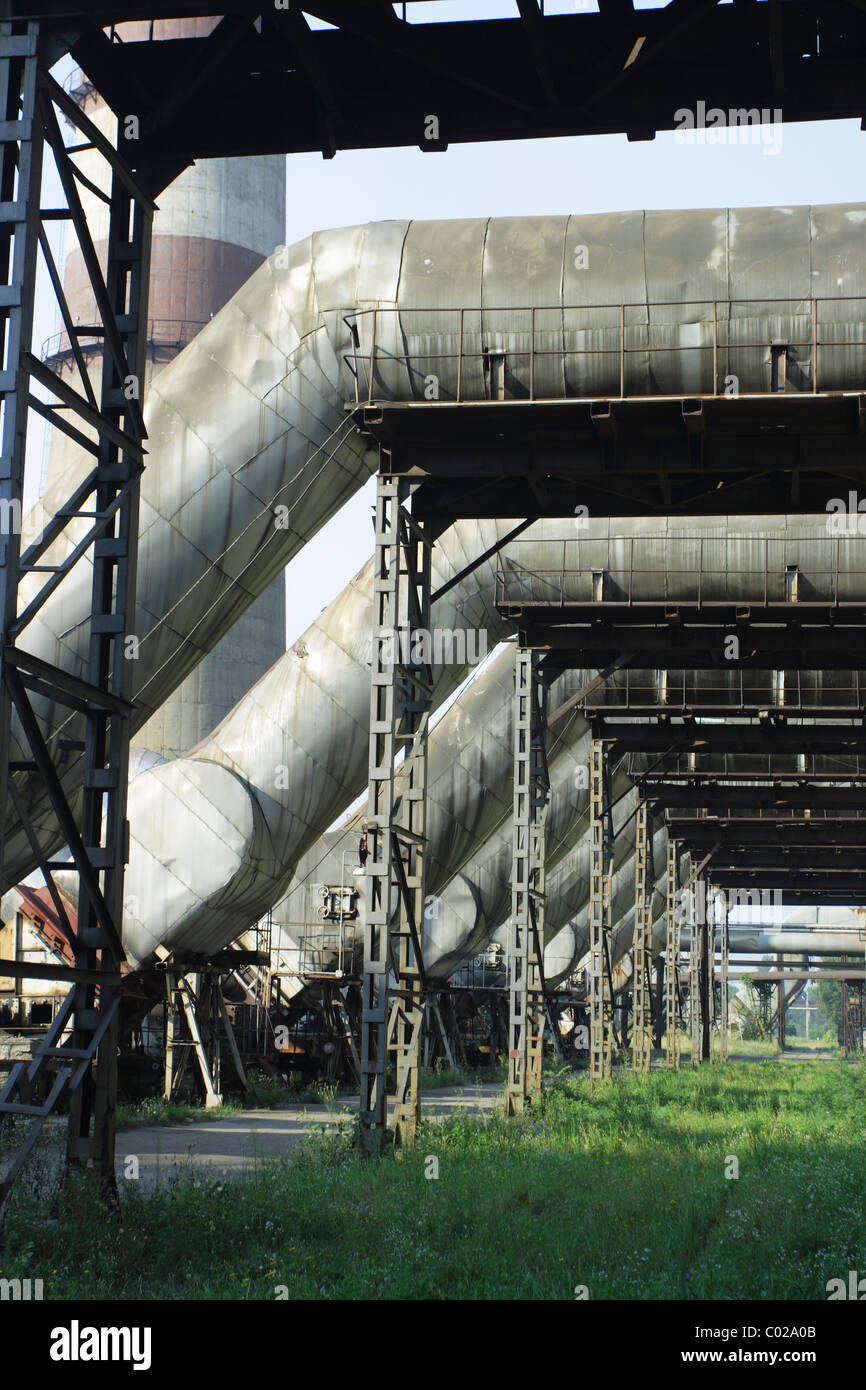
368	81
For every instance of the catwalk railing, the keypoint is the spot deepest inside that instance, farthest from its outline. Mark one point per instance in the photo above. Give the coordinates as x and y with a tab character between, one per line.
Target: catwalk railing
696	348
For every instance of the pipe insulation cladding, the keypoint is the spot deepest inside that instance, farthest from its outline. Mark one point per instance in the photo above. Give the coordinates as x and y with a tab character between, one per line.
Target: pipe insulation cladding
251	805
250	450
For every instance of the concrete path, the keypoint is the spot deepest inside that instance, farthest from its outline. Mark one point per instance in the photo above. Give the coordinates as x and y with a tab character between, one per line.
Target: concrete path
233	1147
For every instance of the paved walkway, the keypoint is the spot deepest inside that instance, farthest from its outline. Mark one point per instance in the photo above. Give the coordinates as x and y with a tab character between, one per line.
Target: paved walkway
236	1145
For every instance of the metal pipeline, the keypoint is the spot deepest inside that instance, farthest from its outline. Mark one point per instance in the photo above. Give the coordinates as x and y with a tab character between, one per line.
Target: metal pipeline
250	416
294	751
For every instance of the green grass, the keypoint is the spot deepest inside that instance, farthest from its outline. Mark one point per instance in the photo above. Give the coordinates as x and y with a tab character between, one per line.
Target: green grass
755	1047
825	1043
622	1190
156	1111
440	1075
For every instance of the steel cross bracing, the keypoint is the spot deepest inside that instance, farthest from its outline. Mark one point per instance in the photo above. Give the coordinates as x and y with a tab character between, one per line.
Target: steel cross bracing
673	934
601	1023
641	1033
196	1019
400	701
526	993
104	514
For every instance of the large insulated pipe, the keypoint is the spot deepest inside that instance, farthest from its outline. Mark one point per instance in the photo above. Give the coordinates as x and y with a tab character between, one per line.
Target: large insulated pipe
252	454
476	899
254	796
470	762
230	786
237	419
811	943
486	876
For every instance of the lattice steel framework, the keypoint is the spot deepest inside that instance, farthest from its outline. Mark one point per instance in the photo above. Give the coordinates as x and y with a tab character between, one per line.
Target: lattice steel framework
99	520
673	935
852	1016
706	971
641	1033
526	993
400	701
601	1022
708	974
724	954
695	942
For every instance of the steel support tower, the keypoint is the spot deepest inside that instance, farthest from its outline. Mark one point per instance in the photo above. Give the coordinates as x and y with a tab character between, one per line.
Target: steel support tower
673	934
601	1022
98	521
695	1012
724	954
641	1033
400	700
526	992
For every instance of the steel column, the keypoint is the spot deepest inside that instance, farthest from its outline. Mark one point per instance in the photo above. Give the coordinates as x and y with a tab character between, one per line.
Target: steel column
673	939
526	1002
600	871
400	701
706	971
695	942
97	835
724	1019
641	1033
106	753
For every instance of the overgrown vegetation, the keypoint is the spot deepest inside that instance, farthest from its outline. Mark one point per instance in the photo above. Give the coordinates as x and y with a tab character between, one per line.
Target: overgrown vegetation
156	1111
623	1190
441	1075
